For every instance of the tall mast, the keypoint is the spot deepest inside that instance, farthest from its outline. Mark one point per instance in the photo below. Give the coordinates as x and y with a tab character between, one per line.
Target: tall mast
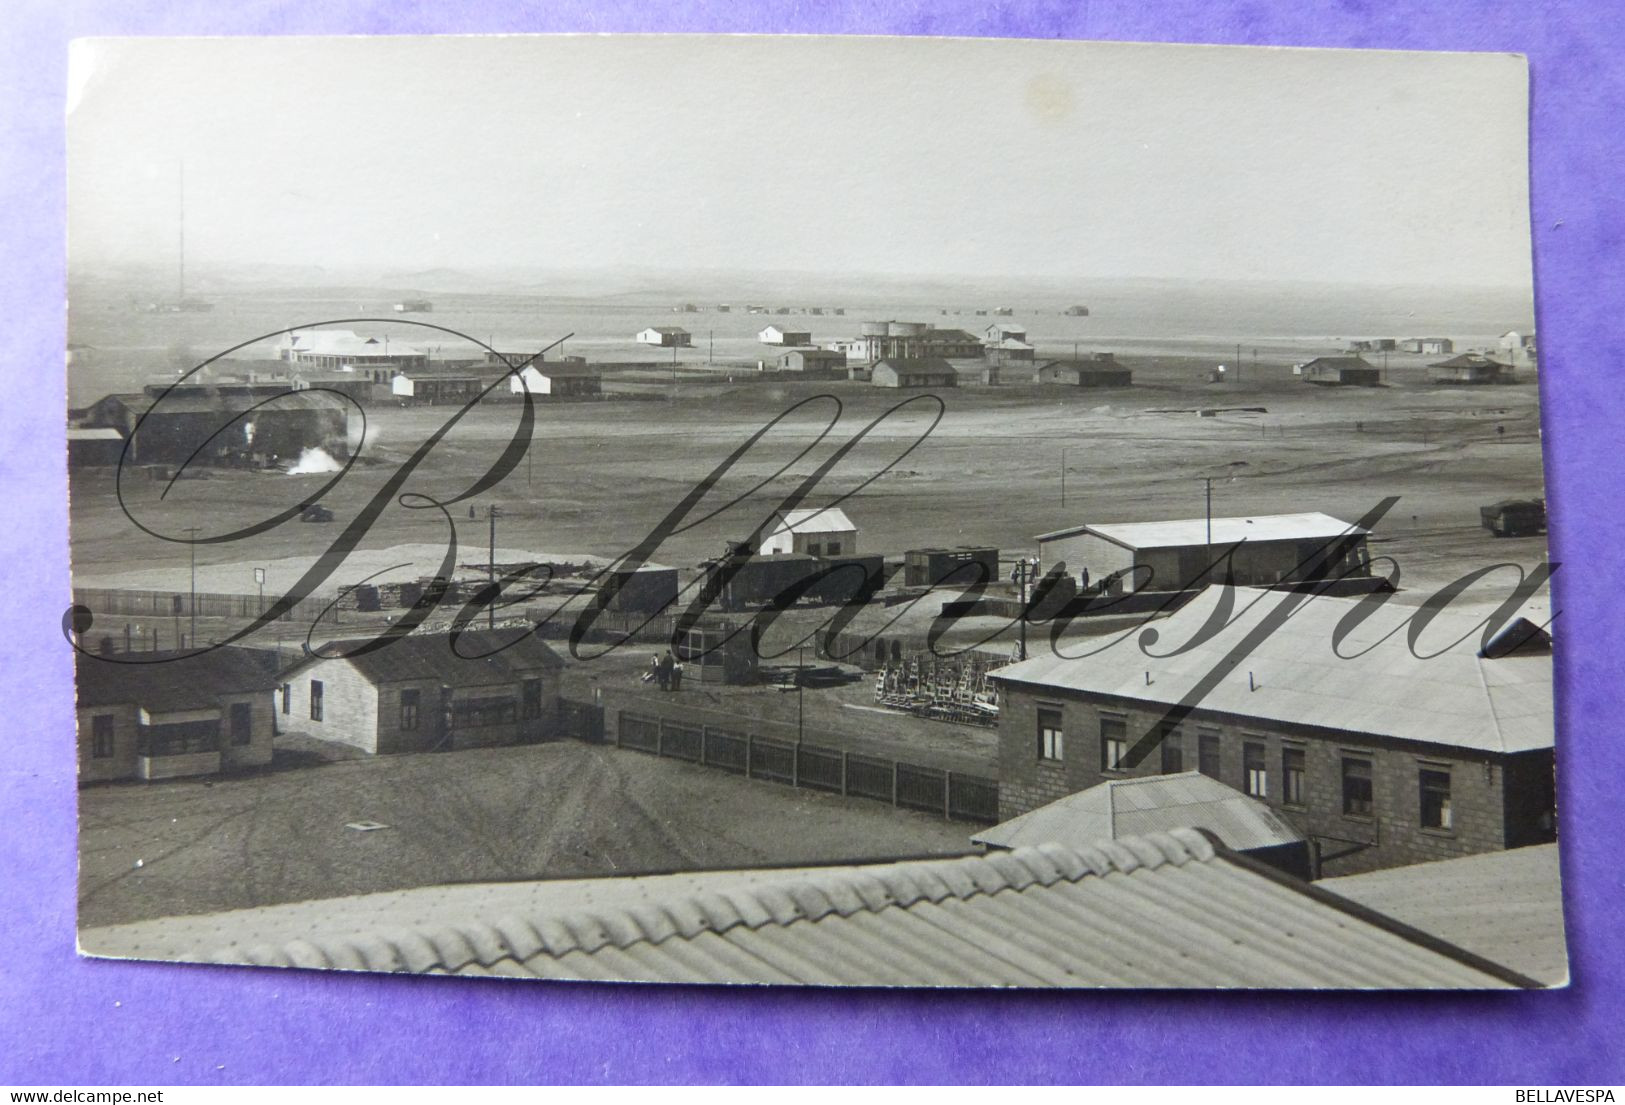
180	289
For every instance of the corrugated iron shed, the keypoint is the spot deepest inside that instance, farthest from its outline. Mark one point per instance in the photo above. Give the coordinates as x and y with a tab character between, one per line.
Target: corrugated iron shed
814	520
1442	693
1170	910
1151	804
1505	905
1192	532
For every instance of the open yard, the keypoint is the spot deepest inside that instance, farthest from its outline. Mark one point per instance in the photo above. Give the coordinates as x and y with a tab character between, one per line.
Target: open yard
543	811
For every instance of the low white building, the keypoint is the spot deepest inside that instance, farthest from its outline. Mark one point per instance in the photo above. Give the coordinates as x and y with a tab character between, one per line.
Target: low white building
780	335
813	531
667	336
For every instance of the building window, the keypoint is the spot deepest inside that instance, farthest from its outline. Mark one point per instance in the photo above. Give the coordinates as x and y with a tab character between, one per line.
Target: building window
1173	751
101	736
1051	739
833	549
287	697
315	700
1113	743
1207	754
814	548
241	723
1255	773
409	707
1292	776
531	699
1357	787
1435	794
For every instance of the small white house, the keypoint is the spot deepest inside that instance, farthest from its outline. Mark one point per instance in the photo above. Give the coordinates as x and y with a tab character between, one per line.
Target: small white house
813	532
779	335
667	336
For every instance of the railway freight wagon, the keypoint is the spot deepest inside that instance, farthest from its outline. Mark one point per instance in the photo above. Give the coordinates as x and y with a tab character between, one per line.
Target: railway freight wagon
929	567
762	579
1514	517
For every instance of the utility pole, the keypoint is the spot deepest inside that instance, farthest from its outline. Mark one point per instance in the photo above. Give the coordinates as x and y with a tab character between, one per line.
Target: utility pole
1209	481
191	545
1021	575
799	711
491	569
1063	477
1238	362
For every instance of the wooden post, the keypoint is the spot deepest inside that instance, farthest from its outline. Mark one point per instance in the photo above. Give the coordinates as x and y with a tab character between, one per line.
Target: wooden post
660	737
894	782
795	764
750	744
843	773
947	789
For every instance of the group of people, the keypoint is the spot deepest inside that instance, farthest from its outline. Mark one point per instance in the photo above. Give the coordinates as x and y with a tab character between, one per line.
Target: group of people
665	670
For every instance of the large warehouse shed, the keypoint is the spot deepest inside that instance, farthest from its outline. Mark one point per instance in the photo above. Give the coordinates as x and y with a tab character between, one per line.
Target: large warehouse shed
1171	555
224	428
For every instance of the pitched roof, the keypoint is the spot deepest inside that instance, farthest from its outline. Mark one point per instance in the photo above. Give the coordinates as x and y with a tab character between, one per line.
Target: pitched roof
345	343
1170	910
1190	532
935	366
1470	360
1456	699
1508	905
829	519
667	329
93	433
430	656
168	681
1340	363
1150	804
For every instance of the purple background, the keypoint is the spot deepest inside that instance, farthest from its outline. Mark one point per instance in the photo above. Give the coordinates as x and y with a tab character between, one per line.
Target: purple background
72	1021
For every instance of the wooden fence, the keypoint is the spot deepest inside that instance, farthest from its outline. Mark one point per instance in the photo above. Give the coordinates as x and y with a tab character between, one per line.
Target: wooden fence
956	796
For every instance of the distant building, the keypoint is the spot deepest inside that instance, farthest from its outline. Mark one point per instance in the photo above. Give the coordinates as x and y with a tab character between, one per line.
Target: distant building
1269	549
347	351
1147	804
1471	368
666	336
908	341
962	566
646	589
1098	370
1381	753
1078	312
783	335
1007	350
999	331
432	388
812	531
416	694
94	447
1428	345
922	372
1340	372
172	714
1519	348
558	380
413	306
225	428
812	361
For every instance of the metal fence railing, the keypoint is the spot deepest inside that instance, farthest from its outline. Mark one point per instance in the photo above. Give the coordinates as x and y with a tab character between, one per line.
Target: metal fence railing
953	795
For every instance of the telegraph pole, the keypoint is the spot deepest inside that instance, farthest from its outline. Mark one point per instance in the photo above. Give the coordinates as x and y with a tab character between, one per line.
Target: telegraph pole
191	532
1209	481
491	569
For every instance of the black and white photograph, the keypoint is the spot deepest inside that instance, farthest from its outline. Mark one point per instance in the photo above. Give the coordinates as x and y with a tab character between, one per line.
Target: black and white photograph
810	510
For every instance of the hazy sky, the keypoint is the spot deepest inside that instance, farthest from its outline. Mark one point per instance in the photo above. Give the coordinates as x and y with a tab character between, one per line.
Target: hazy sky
944	156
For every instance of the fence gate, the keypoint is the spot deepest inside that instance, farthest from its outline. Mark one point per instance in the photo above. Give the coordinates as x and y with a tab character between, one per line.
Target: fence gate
581	720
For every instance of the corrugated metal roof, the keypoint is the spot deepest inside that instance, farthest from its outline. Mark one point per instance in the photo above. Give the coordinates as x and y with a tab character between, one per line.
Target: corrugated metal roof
167	681
430	656
94	433
815	520
1376	686
1192	532
1151	804
1170	910
1505	905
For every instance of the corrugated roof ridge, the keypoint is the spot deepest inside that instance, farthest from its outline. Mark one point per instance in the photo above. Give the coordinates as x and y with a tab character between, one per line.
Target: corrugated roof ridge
1489	700
807	898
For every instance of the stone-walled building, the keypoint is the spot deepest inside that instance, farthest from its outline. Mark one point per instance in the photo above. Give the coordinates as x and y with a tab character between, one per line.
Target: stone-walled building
1379	755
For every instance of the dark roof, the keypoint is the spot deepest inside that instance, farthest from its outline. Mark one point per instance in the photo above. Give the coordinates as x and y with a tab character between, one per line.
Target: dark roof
212	402
950	335
564	368
912	365
430	656
1341	364
1469	360
1167	910
167	681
